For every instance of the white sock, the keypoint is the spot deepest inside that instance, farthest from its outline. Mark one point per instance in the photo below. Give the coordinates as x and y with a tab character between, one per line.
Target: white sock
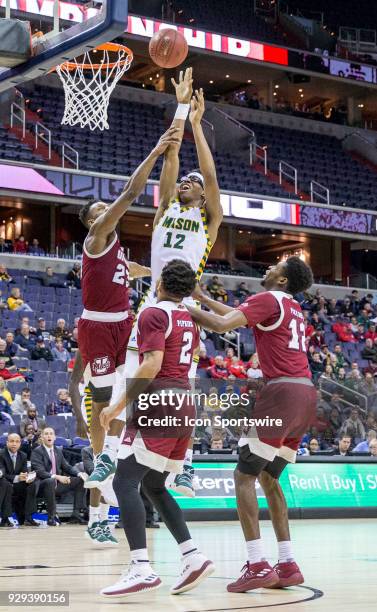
94	515
255	551
141	557
110	446
104	511
285	551
188	457
187	548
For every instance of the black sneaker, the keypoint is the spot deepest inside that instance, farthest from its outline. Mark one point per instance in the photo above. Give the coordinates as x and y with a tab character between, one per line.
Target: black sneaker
30	522
5	522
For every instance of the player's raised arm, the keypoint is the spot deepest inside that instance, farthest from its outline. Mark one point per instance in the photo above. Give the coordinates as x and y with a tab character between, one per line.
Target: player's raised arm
218	323
105	224
138	271
170	168
207	167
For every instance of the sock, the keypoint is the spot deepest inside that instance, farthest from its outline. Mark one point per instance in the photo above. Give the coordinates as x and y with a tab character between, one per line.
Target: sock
255	551
188	457
187	548
104	511
141	558
110	446
285	551
94	515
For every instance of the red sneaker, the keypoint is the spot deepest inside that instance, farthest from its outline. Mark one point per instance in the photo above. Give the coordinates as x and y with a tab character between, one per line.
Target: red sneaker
254	576
289	575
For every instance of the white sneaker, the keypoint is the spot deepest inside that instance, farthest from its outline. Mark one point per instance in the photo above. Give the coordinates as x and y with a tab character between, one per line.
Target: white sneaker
133	581
195	568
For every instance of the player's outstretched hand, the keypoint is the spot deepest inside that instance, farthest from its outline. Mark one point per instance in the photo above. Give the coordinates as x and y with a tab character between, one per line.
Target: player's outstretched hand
183	89
197	106
108	414
169	138
198	293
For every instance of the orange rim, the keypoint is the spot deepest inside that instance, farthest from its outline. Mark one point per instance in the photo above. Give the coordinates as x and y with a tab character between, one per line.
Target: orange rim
113	47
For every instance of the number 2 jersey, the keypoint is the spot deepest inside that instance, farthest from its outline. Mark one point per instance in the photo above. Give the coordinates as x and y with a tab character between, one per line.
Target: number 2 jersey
104	282
279	330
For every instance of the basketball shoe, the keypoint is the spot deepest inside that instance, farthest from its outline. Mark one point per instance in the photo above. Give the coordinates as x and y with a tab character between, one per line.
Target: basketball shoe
103	470
254	576
100	535
289	574
183	483
138	578
195	568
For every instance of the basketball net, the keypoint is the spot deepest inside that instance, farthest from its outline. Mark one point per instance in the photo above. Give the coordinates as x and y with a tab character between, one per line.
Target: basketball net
88	85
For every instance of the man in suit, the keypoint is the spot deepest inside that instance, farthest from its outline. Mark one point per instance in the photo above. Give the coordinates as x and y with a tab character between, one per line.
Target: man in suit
52	469
13	464
5	501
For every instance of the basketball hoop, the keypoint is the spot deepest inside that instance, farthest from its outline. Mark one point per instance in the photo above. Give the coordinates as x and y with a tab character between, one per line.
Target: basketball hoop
88	85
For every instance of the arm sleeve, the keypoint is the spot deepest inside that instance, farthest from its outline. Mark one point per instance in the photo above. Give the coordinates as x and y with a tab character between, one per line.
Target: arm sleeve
262	308
153	324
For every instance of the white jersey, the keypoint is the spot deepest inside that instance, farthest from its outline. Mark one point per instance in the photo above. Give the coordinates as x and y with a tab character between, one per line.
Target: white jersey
182	233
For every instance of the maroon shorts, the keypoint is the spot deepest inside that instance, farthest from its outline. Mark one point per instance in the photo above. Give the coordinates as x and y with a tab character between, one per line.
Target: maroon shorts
103	349
294	405
160	445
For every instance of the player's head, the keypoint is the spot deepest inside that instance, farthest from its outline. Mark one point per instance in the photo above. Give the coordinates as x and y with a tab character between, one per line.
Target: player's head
292	276
191	188
90	212
176	282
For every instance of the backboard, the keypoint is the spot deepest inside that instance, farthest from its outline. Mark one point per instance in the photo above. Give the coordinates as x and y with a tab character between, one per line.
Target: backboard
101	22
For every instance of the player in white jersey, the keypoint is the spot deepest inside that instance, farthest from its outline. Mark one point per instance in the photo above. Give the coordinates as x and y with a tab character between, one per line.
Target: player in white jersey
186	222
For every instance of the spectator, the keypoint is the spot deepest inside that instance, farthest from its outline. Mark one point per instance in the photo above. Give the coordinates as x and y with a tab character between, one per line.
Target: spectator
4	276
367	385
51	467
333	309
25	321
12	348
213	287
35	248
41	329
360	333
6	246
363	447
61	331
369	352
74	276
218	369
20	246
222	295
242	292
73	342
6	374
316	367
30	441
63	404
60	353
5	393
335	421
373	448
40	351
15	301
314	446
321	421
31	418
237	368
343	331
22	402
204	360
229	354
254	372
50	279
5	355
371	333
344	445
13	465
353	426
341	361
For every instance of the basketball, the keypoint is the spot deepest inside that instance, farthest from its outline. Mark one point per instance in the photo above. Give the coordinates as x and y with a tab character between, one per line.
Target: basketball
168	48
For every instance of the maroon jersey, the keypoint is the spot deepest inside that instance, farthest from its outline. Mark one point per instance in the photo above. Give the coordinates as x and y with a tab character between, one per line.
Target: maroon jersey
279	331
168	327
104	281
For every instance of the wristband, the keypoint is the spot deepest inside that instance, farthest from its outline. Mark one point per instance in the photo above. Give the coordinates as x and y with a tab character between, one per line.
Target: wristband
182	111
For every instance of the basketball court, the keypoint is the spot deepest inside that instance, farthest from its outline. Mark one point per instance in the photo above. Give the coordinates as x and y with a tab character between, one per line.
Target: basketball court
338	559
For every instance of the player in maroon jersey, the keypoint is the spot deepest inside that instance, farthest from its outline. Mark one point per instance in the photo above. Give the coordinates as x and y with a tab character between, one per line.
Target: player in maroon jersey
105	324
167	338
288	395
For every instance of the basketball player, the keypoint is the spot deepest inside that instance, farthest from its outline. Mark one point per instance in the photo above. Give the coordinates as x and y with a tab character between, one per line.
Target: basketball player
288	395
186	223
167	338
105	324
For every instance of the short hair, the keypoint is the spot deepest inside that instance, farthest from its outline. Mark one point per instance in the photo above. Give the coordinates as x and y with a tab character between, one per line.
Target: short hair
25	389
84	211
345	436
299	275
178	278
